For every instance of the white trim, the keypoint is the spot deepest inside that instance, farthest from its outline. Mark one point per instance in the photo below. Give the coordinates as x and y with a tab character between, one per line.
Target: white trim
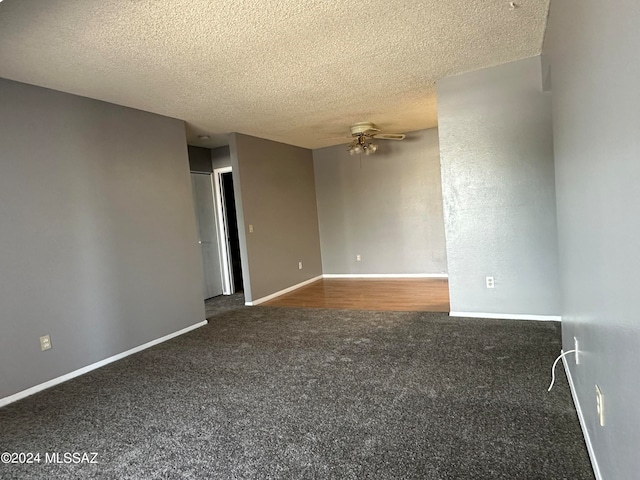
583	424
222	227
385	275
282	292
30	391
507	316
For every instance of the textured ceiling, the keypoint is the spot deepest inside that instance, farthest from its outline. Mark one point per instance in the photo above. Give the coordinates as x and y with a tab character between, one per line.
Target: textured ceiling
299	72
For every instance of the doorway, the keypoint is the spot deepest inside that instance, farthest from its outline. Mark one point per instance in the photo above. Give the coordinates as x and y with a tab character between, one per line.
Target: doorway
227	219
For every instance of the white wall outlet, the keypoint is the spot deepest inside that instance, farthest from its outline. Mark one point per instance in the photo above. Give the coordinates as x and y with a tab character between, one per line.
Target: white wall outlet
600	405
250	228
490	282
45	342
358	258
575	346
299	265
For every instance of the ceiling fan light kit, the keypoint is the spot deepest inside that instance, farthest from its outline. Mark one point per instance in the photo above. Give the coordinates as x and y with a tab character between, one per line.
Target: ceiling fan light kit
364	133
362	145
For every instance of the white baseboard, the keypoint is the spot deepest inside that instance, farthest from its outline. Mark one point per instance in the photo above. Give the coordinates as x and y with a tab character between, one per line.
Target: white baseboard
43	386
385	275
282	292
507	316
583	425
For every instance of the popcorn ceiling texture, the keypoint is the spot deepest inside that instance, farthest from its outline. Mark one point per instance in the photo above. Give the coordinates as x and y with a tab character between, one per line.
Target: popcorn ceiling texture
289	71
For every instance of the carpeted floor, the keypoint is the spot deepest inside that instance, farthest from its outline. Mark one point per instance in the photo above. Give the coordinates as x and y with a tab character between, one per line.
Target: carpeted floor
289	393
223	303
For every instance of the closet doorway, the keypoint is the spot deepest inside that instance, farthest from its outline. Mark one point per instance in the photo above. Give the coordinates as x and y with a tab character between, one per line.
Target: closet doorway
228	230
214	202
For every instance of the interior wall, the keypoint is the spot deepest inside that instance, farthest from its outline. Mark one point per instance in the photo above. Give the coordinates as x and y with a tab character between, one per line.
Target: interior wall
591	47
199	159
386	207
220	157
98	241
275	193
496	150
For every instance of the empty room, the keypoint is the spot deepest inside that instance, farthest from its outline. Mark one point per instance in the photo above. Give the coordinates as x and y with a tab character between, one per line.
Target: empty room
342	240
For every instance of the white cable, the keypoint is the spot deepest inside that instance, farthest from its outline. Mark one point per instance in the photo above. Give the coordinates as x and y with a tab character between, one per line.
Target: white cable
553	368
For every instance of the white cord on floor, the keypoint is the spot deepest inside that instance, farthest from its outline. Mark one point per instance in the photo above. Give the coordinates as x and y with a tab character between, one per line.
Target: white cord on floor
553	368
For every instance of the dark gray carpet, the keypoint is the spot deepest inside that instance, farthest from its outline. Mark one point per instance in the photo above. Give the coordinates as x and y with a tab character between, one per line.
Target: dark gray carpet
223	303
289	393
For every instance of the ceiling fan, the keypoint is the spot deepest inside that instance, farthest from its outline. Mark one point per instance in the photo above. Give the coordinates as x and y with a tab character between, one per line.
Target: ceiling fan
363	133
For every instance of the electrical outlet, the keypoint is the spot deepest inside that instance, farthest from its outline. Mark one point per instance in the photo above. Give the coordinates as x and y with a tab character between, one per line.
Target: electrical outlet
600	405
577	350
299	265
358	258
45	342
490	282
250	228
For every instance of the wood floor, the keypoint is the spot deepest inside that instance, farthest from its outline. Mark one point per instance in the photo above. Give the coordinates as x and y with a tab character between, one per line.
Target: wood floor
406	294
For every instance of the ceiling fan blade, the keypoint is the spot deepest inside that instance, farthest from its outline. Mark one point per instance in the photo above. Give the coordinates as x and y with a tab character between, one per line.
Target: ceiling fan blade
389	136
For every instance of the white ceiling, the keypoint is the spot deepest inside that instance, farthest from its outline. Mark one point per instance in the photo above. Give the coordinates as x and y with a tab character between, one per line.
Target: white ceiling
294	71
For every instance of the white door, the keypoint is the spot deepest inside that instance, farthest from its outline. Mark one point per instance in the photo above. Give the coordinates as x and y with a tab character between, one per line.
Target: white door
223	231
208	233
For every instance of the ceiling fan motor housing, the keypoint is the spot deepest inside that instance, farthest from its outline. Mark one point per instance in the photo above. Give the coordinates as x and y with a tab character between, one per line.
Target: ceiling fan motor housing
364	128
364	133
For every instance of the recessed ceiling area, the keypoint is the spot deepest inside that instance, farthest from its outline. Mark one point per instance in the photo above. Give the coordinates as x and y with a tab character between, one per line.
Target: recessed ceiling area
294	72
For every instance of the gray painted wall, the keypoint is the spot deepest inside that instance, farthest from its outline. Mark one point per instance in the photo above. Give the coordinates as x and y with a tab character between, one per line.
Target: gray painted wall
386	208
496	151
592	49
199	159
220	157
98	237
275	192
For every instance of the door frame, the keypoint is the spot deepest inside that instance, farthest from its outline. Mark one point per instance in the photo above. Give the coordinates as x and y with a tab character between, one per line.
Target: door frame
223	229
